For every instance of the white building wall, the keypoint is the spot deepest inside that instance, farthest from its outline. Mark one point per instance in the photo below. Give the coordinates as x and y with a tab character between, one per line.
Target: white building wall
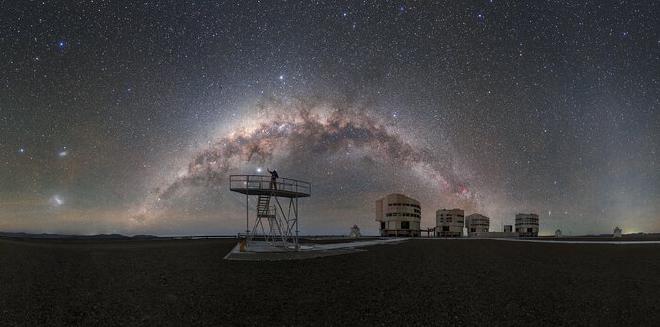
449	222
527	224
394	211
476	223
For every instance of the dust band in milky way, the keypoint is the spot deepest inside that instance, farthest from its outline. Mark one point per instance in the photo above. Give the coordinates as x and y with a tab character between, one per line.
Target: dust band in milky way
316	133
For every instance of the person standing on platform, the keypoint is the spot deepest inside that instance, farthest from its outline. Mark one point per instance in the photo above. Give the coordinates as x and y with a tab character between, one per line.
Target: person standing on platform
273	179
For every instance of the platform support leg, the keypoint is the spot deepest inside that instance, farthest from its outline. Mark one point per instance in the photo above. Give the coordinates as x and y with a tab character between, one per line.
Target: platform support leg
296	213
247	217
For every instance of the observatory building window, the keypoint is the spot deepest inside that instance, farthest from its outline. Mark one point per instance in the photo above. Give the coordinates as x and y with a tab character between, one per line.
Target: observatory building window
405	225
382	225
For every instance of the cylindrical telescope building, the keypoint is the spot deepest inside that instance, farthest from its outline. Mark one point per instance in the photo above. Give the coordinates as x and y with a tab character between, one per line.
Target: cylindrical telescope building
476	223
527	224
449	222
398	215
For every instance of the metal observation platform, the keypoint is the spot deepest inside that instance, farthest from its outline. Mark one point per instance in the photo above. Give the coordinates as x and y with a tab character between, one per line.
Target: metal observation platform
276	222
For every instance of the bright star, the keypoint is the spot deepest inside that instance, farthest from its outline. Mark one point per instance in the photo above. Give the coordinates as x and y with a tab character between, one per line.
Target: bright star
259	170
281	77
21	150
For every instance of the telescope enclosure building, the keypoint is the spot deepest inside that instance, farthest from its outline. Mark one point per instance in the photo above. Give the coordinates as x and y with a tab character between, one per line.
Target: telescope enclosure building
399	215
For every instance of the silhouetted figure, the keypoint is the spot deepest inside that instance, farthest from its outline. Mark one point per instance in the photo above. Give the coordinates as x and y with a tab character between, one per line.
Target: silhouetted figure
273	179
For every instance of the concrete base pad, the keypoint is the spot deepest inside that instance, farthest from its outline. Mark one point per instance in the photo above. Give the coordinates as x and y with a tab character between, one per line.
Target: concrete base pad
262	251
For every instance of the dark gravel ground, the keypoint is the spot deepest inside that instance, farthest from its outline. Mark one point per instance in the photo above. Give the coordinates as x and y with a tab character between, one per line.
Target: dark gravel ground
420	282
604	239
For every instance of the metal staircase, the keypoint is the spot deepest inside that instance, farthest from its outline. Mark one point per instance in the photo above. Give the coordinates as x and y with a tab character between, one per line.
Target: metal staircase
265	211
263	205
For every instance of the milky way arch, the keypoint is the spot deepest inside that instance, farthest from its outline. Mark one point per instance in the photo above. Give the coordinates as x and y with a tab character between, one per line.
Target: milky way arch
312	132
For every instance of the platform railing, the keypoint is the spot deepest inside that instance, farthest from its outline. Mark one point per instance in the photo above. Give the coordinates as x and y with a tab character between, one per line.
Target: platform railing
264	182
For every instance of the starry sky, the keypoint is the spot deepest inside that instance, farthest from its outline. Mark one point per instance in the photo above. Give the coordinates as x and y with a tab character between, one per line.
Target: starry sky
128	116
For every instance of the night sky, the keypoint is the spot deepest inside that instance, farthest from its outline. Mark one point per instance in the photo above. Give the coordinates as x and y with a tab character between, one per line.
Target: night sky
128	116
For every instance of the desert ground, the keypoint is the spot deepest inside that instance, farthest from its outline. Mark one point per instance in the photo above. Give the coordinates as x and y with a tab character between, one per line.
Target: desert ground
418	282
